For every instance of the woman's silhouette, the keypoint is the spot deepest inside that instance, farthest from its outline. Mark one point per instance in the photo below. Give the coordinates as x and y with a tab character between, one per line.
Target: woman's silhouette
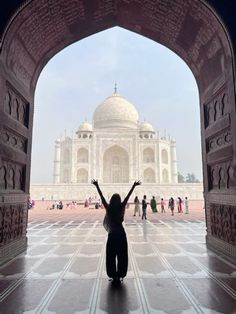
117	247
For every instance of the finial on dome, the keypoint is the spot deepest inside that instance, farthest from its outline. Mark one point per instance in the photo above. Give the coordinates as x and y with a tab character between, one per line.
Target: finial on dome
115	88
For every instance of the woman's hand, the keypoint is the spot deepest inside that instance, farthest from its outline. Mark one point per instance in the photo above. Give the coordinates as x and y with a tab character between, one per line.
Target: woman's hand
137	183
94	182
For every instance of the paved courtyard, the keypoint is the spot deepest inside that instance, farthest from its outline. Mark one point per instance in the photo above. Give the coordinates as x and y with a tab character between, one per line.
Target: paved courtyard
170	268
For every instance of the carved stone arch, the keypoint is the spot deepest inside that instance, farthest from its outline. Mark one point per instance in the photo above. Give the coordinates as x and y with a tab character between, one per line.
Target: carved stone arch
82	175
164	156
115	165
148	155
149	176
82	155
190	28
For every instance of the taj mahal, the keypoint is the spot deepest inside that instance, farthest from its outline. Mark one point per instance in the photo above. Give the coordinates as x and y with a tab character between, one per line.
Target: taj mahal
116	149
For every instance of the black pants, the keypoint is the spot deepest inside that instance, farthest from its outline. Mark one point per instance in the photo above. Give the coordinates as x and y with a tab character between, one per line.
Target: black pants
117	248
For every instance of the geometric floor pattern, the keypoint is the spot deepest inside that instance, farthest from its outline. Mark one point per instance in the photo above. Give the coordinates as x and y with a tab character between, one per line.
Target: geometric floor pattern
170	269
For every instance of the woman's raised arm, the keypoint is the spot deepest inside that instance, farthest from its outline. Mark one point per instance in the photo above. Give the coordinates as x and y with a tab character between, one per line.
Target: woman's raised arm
104	202
130	192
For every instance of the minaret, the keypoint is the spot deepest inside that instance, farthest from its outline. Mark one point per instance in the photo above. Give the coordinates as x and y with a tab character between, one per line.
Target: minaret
57	160
174	171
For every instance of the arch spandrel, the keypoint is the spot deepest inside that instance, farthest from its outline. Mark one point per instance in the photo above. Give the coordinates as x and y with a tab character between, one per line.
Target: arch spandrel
188	27
57	23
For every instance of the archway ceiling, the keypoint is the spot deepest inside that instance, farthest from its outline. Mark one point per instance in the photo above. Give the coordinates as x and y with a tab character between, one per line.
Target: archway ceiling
42	28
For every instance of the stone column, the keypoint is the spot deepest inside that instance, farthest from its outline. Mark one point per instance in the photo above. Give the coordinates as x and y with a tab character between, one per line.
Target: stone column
174	172
57	160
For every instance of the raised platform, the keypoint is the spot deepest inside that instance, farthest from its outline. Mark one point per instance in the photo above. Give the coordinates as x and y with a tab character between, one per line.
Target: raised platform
71	191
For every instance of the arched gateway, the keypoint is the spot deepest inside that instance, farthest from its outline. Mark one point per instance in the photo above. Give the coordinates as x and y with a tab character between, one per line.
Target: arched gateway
32	32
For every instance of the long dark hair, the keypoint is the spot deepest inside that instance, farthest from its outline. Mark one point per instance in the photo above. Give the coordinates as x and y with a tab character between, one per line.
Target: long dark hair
115	210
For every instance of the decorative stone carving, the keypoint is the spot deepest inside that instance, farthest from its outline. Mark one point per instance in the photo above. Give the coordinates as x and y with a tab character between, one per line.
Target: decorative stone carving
223	222
16	106
216	109
219	141
3	178
11	176
14	140
221	176
12	222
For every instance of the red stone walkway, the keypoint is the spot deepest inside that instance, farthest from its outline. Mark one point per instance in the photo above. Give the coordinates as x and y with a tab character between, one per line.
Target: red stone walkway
170	268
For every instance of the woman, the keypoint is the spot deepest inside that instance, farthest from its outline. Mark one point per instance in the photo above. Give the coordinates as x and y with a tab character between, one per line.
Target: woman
153	205
163	206
180	210
186	205
136	206
171	205
117	246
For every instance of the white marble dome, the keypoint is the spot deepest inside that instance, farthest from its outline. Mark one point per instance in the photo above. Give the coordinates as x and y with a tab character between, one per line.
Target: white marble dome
85	127
146	127
115	112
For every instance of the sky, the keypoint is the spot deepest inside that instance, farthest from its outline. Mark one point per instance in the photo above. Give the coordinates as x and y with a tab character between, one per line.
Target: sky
77	79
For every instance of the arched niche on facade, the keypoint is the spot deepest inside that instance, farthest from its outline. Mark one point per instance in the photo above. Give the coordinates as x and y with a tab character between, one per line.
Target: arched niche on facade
82	155
66	176
115	165
66	156
165	176
82	176
149	176
164	156
37	30
148	155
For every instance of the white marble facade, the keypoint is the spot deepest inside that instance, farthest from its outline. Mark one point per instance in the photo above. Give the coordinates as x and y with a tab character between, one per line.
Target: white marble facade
116	148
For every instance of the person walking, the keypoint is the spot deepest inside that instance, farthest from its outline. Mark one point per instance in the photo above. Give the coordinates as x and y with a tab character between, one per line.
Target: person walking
171	205
136	206
144	207
116	247
153	205
163	206
180	210
186	205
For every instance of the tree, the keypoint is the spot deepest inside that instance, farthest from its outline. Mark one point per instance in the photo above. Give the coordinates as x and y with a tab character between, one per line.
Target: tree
180	178
191	178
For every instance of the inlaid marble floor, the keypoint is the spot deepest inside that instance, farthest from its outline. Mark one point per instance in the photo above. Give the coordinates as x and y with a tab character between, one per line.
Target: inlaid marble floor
170	270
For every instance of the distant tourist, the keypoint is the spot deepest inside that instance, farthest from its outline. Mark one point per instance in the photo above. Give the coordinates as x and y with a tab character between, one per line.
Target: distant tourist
86	203
136	206
179	203
60	205
171	205
186	205
117	247
163	206
144	207
153	205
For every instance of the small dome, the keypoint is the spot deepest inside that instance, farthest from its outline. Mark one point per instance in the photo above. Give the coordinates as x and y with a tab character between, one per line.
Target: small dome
146	127
85	127
115	112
